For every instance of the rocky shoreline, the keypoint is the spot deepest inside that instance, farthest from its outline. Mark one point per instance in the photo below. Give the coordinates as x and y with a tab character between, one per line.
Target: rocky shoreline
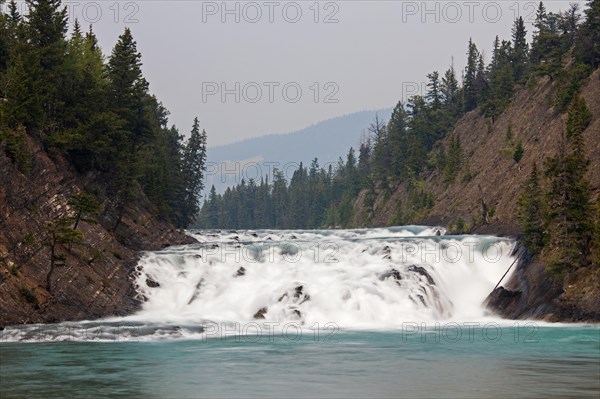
532	294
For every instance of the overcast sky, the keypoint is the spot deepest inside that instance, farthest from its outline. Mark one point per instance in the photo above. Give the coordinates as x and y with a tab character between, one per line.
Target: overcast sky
361	54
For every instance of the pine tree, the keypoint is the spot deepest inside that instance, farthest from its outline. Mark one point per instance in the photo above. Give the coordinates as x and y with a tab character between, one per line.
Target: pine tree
4	41
470	78
194	158
569	197
569	23
85	206
501	76
13	12
449	92
454	160
433	94
46	30
213	209
541	19
364	159
532	214
588	46
128	90
382	151
20	105
520	50
546	50
518	153
280	200
396	142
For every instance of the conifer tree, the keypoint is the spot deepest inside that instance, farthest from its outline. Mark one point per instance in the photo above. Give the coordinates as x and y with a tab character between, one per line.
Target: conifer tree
449	92
588	46
532	214
213	209
396	137
569	197
129	90
520	50
481	82
382	156
433	93
46	29
194	158
470	78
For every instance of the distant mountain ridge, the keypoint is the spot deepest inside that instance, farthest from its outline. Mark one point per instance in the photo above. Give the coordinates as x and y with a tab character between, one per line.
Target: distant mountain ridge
255	157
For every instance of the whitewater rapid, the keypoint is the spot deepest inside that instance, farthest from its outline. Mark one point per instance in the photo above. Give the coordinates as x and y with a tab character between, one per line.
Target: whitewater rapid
374	279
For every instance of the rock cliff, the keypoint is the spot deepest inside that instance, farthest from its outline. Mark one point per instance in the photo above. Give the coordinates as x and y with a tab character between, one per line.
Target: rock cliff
92	278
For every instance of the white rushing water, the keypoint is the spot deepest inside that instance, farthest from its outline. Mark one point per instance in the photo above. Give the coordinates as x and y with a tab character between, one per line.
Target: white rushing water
350	279
376	278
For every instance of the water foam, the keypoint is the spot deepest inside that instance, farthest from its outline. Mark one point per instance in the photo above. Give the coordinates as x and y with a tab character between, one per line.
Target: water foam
374	278
352	279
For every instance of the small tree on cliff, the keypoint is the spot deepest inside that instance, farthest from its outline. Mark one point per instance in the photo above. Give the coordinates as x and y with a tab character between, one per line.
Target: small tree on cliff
85	206
59	233
532	213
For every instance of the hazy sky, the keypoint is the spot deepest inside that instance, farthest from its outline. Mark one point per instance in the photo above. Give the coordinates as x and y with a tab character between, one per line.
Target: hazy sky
343	56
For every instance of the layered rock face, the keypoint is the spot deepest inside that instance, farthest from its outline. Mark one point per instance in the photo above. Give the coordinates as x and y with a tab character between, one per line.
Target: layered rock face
91	278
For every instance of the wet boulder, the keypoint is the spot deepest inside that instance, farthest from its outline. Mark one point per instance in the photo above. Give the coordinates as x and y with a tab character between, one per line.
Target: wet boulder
392	273
260	315
240	272
151	283
420	270
298	295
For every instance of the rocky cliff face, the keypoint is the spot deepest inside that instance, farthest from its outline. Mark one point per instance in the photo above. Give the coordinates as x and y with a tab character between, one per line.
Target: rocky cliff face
485	193
532	294
92	279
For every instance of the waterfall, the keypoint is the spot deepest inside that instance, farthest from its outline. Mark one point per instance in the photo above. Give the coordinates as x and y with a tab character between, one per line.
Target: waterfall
342	279
371	278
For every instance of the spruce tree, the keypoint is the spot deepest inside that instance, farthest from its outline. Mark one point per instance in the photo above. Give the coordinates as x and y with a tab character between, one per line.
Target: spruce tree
470	78
588	46
46	26
433	93
569	197
520	50
396	138
213	209
532	214
382	150
449	91
128	90
194	159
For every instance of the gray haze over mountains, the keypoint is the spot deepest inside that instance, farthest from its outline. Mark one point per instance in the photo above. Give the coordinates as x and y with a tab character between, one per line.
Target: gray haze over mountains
256	157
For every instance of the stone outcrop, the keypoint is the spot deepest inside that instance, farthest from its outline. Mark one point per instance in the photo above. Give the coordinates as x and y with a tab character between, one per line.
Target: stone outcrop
93	278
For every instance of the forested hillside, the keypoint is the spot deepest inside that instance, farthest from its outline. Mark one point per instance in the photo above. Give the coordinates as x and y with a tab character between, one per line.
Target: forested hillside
421	140
91	170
